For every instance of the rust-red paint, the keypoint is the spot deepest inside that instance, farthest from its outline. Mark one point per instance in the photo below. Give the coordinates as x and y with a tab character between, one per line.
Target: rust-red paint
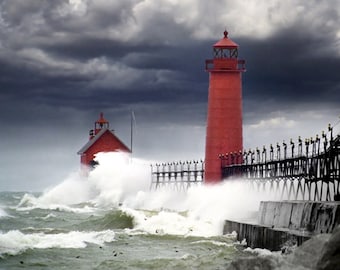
106	142
225	42
224	119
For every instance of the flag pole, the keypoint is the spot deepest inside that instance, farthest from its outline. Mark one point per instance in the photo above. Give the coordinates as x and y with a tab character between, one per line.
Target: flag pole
131	130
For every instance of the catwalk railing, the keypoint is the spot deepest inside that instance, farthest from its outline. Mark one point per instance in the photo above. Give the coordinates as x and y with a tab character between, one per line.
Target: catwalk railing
177	175
307	170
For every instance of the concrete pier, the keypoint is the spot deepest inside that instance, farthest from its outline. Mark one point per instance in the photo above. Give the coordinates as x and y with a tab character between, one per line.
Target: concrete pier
286	222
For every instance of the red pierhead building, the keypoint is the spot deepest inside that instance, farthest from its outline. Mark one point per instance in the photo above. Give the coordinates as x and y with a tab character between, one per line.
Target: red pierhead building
224	119
102	139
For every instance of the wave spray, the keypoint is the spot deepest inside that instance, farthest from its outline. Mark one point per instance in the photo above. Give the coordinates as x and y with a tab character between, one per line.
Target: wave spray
121	182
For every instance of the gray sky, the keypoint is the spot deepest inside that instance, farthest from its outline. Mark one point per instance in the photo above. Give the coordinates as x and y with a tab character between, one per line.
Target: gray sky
63	62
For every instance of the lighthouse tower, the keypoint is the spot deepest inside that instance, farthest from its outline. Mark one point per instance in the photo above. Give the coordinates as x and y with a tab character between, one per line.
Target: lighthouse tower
224	119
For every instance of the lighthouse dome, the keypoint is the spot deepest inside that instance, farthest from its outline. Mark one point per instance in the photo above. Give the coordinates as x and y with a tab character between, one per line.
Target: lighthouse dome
225	42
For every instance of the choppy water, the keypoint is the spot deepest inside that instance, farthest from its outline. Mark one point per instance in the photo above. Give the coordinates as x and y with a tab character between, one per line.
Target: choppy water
85	237
109	220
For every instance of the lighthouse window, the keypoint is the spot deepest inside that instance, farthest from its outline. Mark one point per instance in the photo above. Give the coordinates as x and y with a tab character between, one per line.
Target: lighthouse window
225	53
233	53
217	53
220	53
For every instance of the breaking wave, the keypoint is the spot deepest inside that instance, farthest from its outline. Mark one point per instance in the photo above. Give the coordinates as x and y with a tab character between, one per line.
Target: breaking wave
115	198
15	242
115	219
123	183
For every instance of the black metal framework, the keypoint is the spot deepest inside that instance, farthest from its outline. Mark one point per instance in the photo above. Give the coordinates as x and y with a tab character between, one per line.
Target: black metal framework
177	175
225	53
307	170
304	170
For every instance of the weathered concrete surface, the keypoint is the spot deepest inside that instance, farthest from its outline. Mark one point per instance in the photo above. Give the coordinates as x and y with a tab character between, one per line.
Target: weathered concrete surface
291	222
259	236
316	217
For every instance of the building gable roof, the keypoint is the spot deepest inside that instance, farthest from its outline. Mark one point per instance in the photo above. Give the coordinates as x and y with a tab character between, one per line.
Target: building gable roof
97	137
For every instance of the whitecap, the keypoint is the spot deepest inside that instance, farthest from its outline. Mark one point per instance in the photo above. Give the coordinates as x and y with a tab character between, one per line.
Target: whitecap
15	242
169	223
30	202
261	251
214	242
49	216
3	213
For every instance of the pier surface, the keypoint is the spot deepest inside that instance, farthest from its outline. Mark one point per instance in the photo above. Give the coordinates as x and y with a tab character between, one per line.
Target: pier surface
283	223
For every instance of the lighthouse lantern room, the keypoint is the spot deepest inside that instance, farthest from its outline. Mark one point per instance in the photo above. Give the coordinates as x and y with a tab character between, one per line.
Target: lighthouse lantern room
224	119
101	139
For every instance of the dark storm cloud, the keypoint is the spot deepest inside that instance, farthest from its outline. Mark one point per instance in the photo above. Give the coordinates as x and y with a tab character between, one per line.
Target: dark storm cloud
60	54
77	66
291	68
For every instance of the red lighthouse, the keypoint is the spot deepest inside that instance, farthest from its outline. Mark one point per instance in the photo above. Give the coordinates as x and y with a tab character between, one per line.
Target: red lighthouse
224	120
102	139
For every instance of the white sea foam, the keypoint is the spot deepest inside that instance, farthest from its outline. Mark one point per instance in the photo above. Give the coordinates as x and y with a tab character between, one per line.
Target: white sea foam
30	202
119	180
49	216
63	197
213	242
15	242
205	208
108	185
3	213
173	223
261	251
